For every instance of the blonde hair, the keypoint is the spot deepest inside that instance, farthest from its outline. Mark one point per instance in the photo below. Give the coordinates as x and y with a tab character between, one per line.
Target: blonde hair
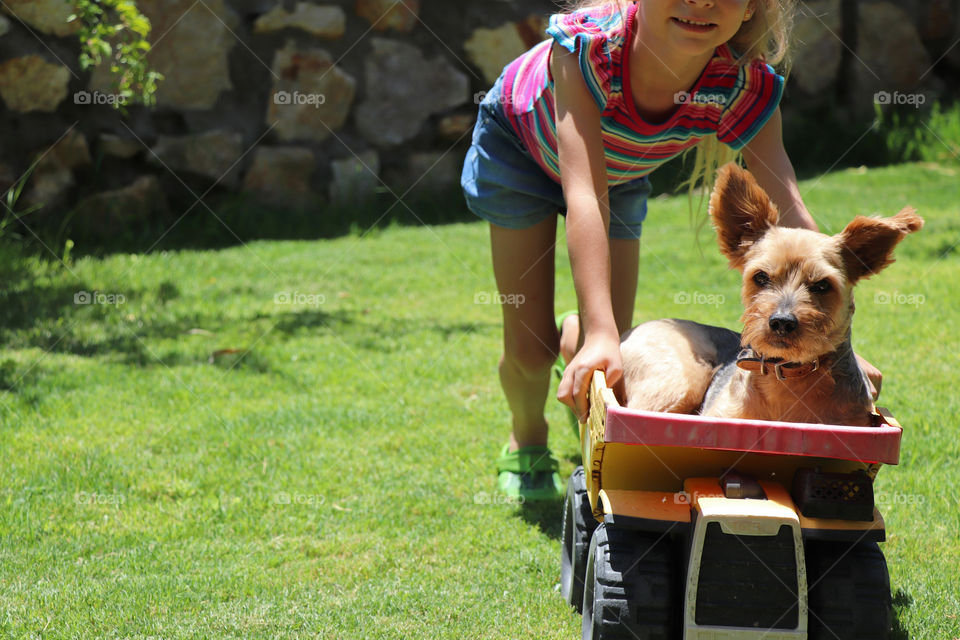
766	37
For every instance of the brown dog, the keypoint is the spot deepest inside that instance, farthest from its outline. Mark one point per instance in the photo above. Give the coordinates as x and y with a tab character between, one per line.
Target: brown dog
793	361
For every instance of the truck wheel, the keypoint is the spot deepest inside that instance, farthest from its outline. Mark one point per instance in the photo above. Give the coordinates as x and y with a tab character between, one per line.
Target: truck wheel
849	592
578	526
631	589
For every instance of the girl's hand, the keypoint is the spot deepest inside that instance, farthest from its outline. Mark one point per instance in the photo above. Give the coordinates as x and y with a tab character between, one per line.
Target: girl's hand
599	351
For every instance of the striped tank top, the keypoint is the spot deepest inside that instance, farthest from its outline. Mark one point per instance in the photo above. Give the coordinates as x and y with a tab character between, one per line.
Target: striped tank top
734	101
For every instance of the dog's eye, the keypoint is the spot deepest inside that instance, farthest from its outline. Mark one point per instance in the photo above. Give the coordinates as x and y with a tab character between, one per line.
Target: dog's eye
761	279
820	287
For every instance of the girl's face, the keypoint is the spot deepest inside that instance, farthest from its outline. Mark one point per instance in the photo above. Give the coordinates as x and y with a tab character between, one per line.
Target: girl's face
693	27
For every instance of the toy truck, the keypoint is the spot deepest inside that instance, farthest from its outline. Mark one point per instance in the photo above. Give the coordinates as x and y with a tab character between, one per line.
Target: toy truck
683	526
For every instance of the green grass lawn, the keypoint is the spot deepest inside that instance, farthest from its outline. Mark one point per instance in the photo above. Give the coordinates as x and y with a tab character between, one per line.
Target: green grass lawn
296	439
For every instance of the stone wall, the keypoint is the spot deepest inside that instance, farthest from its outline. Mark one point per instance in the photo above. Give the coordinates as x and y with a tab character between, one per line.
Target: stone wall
301	104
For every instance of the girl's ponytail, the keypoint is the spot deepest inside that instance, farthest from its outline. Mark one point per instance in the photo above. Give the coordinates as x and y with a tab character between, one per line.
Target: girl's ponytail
766	36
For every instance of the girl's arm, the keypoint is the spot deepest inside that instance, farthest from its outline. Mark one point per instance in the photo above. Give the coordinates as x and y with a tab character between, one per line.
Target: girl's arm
768	162
584	178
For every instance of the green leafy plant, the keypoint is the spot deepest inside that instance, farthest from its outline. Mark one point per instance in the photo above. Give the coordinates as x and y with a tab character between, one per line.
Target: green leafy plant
114	32
942	135
931	137
9	217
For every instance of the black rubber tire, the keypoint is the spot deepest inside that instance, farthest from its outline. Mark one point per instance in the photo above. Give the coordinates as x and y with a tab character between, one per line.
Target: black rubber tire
849	591
631	590
578	525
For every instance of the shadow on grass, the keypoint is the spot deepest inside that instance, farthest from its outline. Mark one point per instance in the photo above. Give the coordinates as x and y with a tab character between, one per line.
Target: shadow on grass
546	515
901	602
55	327
22	304
44	312
145	331
231	219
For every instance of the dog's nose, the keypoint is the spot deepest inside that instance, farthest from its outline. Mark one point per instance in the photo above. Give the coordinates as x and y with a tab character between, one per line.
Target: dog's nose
783	323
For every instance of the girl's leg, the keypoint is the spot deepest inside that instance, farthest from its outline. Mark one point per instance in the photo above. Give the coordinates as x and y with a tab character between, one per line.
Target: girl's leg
523	264
624	273
625	265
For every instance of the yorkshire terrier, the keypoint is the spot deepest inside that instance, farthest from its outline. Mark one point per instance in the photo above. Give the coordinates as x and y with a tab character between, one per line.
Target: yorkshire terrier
793	362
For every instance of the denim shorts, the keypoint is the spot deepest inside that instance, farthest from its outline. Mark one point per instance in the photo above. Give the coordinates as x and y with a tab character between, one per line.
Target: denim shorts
505	186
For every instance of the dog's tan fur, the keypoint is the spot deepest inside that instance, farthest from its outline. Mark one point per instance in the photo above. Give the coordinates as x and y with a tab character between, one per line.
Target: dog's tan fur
668	364
802	275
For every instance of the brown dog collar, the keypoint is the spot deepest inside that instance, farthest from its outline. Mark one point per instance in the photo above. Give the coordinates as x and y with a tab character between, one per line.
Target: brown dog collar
748	360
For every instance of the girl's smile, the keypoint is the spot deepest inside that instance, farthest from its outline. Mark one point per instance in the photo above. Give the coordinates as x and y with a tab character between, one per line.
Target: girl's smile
693	25
689	27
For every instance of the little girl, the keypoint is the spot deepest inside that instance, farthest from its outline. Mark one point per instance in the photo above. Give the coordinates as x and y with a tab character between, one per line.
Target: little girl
575	126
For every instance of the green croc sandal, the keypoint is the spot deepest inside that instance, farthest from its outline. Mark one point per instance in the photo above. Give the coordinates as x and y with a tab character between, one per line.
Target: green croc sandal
558	368
529	473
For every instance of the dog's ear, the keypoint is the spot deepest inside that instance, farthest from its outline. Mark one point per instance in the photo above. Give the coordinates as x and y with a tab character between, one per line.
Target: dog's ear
741	212
867	243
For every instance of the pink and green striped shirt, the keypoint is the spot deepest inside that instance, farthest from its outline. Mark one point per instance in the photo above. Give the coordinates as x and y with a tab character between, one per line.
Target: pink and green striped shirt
733	101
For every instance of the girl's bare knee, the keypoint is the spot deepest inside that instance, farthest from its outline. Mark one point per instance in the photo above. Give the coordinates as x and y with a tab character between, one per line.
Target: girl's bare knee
531	356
